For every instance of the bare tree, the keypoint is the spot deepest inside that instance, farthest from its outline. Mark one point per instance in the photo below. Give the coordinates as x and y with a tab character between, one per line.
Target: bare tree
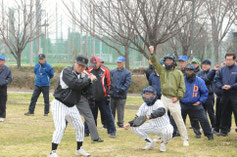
18	27
109	25
154	21
221	18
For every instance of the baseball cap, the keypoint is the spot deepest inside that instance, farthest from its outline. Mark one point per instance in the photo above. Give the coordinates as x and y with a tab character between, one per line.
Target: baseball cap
120	59
41	56
94	60
2	58
195	60
82	60
101	59
206	61
183	58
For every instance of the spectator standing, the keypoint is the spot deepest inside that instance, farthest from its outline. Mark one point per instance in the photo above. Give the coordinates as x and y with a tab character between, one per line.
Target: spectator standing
121	79
5	79
43	74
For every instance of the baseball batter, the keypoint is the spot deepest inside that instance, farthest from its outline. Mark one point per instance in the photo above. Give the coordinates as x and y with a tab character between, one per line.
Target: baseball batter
158	120
67	94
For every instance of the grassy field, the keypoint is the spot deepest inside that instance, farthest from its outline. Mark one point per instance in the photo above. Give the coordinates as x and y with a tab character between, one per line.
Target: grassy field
31	136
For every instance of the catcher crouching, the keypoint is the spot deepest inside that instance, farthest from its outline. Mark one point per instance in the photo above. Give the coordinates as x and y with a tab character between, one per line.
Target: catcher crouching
153	111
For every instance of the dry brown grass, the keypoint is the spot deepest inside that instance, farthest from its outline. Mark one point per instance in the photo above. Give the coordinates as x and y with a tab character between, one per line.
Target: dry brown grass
22	136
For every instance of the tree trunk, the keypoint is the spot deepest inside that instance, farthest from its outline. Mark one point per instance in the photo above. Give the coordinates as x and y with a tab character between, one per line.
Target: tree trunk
216	52
18	60
127	57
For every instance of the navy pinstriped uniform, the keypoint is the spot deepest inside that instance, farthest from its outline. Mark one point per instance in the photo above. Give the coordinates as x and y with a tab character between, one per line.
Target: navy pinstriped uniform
63	106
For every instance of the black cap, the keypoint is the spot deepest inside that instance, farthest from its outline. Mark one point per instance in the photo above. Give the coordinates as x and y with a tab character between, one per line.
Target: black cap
206	61
190	67
41	56
82	60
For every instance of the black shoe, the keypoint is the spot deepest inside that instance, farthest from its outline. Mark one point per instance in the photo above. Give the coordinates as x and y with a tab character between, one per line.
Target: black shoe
210	137
112	135
197	136
177	134
29	113
120	125
221	134
86	135
97	140
104	126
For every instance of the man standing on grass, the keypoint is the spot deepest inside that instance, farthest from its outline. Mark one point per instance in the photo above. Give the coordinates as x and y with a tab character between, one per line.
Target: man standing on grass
5	79
43	72
121	79
226	80
173	89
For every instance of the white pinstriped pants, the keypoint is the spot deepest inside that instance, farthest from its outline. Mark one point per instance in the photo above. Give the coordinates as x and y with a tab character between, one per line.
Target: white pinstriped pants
61	113
146	128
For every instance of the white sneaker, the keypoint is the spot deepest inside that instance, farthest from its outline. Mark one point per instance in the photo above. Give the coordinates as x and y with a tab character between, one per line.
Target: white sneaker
186	143
157	139
2	119
82	152
53	154
163	147
149	145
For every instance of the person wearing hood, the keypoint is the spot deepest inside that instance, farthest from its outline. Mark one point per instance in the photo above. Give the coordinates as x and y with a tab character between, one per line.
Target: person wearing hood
43	74
172	89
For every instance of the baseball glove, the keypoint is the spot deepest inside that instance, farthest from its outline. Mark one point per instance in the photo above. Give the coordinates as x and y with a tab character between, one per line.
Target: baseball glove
138	121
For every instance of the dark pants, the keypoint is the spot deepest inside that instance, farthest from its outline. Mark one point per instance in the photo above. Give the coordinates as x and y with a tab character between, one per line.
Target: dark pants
35	96
118	105
197	113
229	105
209	108
3	101
105	109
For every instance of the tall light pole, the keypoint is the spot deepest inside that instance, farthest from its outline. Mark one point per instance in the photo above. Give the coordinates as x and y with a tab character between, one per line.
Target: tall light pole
192	27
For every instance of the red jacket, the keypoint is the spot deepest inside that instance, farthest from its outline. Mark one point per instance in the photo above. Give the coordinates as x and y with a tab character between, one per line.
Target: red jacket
101	86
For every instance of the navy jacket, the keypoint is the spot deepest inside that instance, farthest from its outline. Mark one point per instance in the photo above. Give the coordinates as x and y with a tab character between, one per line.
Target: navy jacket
5	75
154	81
43	74
208	77
227	76
121	80
195	91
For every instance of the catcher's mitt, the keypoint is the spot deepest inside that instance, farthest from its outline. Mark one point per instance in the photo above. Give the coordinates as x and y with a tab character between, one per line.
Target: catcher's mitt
138	121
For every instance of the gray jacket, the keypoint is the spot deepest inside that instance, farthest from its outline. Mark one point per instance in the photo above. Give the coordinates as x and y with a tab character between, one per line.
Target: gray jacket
5	75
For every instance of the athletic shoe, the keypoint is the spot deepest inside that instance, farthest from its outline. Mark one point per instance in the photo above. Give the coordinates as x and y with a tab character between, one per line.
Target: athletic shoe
162	147
149	145
82	152
2	119
198	136
185	143
29	113
210	137
53	154
97	140
221	134
112	135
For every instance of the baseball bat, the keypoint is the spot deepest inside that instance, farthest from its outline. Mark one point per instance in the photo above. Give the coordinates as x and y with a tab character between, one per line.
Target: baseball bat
85	72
